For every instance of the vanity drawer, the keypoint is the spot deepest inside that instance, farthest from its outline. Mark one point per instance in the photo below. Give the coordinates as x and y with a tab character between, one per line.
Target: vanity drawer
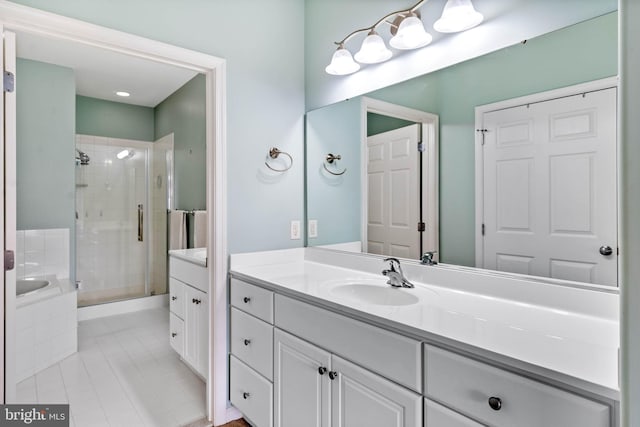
252	342
252	299
393	356
251	394
176	333
436	415
188	272
467	385
176	297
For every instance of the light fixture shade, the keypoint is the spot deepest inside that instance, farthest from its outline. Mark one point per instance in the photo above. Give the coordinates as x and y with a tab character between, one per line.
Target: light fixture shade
410	35
373	50
458	15
342	63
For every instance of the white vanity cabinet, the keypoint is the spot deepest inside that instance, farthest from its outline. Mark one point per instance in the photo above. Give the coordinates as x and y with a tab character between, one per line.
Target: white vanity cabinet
188	306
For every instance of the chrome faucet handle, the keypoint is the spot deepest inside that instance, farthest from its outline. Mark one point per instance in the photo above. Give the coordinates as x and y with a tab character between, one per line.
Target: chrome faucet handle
427	258
393	263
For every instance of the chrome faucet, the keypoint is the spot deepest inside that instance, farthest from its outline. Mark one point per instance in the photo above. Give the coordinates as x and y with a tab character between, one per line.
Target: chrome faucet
427	258
395	275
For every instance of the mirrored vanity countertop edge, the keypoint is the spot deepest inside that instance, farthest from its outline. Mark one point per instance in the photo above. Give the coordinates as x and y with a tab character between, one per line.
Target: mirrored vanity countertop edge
193	255
574	344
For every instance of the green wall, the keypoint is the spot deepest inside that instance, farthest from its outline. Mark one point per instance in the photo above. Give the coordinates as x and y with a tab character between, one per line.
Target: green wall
377	123
183	113
45	98
113	119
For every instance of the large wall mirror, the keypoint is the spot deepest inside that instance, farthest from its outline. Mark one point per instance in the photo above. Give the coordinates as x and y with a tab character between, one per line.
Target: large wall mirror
343	139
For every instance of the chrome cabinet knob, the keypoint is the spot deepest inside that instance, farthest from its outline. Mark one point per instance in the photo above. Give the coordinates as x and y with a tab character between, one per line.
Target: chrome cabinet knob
606	250
333	375
247	342
246	300
173	334
495	403
246	395
322	370
173	298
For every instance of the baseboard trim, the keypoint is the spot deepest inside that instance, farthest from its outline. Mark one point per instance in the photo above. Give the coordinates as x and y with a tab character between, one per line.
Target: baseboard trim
122	307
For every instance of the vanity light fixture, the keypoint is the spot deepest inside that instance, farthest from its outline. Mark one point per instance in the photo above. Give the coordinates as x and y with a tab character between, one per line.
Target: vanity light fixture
123	94
408	33
458	15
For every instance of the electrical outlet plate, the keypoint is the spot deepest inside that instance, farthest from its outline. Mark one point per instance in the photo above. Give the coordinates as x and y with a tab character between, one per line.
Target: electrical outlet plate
313	228
295	230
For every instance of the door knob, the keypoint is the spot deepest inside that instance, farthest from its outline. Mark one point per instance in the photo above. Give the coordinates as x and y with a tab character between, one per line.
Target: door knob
606	250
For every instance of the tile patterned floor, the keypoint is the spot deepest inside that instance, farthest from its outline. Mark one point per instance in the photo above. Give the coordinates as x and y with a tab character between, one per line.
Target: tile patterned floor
124	374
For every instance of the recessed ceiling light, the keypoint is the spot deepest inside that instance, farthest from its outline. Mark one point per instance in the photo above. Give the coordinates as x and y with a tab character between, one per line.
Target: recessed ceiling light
123	94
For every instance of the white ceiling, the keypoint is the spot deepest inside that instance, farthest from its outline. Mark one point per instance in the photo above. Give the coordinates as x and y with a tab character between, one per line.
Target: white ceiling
99	73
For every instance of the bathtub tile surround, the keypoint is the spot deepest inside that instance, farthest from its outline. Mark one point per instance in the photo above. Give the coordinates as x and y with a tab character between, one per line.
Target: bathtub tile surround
46	319
42	253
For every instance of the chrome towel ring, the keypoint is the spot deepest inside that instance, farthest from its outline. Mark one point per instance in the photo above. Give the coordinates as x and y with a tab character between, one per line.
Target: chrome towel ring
273	154
331	159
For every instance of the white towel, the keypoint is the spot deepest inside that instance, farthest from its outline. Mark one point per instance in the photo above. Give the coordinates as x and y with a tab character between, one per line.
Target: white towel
200	229
177	230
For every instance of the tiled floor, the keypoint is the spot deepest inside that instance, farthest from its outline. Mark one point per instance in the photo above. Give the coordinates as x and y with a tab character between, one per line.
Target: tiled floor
124	374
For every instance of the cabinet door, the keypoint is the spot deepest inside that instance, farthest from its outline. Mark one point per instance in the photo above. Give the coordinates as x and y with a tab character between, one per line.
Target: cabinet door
301	383
195	329
361	398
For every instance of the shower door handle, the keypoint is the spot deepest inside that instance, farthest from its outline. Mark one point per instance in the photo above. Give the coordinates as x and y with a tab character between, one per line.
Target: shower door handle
140	223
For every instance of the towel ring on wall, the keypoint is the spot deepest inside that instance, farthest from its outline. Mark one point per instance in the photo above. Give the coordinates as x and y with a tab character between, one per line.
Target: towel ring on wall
274	153
331	159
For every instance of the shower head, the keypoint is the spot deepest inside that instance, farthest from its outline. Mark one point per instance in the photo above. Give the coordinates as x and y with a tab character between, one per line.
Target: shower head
82	158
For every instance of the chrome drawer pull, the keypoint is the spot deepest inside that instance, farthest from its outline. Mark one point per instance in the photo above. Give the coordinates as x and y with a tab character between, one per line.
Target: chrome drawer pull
322	370
245	395
333	375
495	403
247	342
246	300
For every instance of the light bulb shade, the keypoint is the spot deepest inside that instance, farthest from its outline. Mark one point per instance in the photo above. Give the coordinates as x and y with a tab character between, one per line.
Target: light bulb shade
373	50
410	35
458	15
342	63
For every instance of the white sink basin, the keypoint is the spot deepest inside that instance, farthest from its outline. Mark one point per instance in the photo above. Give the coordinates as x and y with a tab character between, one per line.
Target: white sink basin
375	294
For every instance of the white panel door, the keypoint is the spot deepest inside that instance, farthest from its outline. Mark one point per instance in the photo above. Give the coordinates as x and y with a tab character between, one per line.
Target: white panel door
361	398
550	188
393	210
302	389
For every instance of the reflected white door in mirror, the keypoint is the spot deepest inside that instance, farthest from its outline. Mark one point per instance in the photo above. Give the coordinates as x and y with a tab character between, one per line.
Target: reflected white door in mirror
547	203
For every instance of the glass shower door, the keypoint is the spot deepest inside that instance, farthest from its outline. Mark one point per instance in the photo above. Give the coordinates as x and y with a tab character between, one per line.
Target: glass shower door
111	240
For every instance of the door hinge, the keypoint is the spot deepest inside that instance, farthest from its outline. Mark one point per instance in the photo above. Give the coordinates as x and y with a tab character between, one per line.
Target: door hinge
8	81
9	260
421	226
421	147
483	229
483	131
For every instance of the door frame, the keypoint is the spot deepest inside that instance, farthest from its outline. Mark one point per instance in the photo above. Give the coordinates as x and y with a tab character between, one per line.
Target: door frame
430	187
549	95
25	19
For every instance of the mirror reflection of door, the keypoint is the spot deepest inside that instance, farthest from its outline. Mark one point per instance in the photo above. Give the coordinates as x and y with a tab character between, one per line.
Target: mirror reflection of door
550	188
395	202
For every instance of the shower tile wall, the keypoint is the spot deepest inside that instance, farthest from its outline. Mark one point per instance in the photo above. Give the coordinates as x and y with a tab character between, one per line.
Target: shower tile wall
111	262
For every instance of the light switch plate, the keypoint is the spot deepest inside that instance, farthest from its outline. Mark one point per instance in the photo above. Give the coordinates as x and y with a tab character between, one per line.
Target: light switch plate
295	230
313	228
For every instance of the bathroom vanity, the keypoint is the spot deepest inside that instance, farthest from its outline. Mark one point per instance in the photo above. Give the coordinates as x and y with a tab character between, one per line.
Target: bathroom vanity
188	305
318	338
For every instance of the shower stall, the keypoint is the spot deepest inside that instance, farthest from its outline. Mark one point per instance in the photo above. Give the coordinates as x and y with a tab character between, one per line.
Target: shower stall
123	191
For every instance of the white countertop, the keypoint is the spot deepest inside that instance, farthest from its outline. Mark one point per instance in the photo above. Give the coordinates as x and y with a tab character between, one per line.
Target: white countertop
194	255
573	337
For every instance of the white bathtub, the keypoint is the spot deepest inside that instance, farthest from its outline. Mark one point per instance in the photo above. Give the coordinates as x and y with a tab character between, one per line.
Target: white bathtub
46	323
33	289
